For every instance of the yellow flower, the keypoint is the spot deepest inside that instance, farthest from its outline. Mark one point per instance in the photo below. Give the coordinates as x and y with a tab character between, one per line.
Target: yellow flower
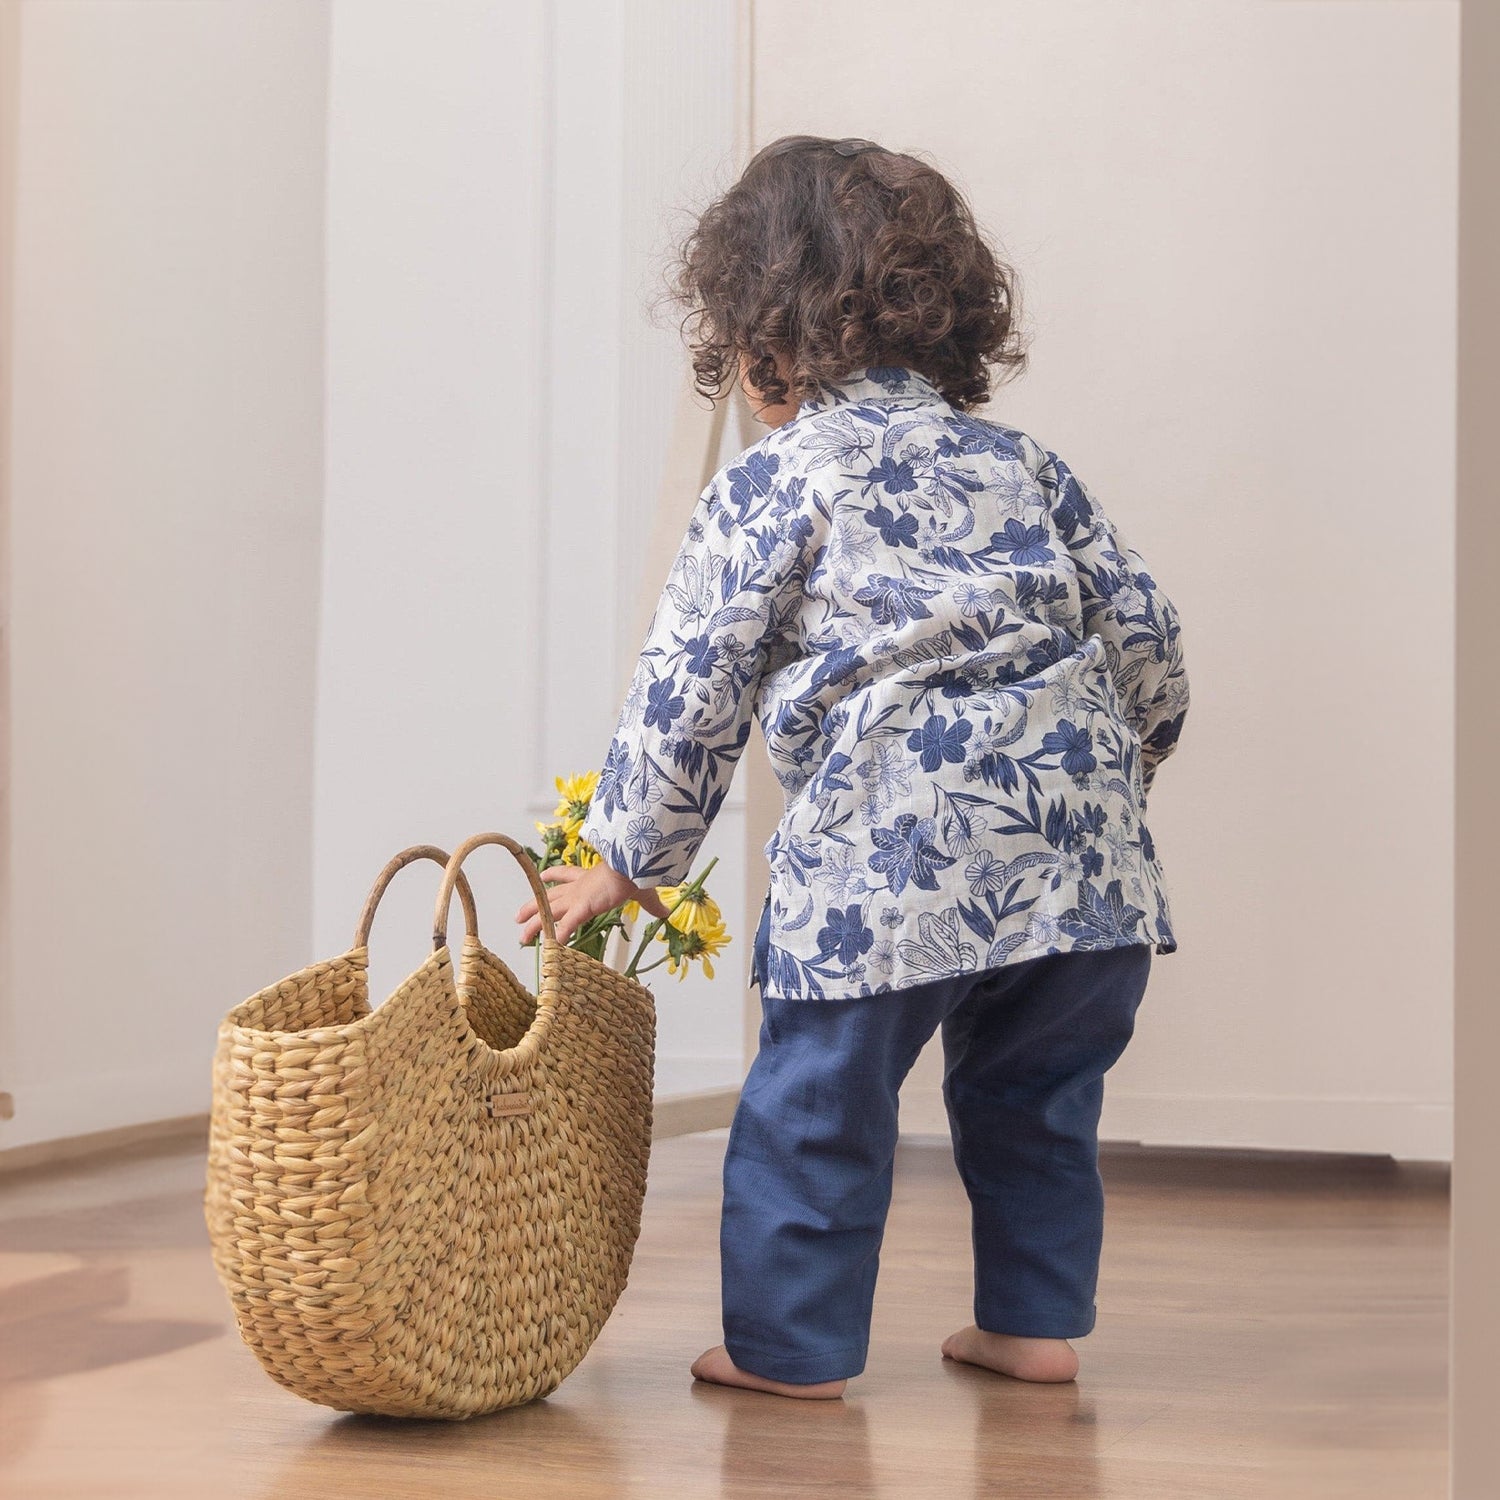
575	793
702	943
699	913
576	788
631	910
580	851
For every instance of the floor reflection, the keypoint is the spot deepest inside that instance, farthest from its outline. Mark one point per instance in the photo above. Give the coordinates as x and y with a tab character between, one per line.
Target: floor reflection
1019	1427
59	1325
775	1446
521	1447
75	1319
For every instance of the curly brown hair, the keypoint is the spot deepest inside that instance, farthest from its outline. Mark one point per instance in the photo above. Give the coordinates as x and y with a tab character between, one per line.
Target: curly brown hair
840	255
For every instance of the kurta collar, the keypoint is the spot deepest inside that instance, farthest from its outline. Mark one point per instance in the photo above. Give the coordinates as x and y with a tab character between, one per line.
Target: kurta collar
873	384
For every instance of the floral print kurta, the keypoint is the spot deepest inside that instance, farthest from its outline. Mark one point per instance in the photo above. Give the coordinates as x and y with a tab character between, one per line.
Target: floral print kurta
965	678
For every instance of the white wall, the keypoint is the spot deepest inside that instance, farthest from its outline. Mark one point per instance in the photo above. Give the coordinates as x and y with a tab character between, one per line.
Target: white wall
1236	226
676	139
165	319
1237	229
430	662
502	187
502	183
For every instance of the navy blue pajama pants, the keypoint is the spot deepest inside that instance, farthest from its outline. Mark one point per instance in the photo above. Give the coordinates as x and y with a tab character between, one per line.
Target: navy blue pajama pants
807	1174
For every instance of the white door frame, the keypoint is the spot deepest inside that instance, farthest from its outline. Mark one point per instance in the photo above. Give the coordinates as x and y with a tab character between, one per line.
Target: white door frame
1475	1297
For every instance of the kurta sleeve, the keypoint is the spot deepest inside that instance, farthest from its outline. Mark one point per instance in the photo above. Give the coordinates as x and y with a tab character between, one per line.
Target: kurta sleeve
687	714
1137	622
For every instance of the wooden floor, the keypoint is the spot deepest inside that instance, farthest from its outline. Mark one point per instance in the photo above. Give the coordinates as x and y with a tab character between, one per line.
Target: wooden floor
1269	1329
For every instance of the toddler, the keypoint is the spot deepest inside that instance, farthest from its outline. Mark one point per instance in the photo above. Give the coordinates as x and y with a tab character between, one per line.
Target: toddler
966	681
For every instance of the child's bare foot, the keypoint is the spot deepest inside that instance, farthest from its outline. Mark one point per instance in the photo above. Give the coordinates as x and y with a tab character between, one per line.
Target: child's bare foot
715	1366
1010	1354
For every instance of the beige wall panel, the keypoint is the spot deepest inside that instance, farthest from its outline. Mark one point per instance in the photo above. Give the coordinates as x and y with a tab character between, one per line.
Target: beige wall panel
1236	225
164	479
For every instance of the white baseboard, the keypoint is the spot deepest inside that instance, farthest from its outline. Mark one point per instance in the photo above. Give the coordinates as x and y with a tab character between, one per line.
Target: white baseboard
691	1114
1407	1129
185	1133
105	1102
696	1075
677	1112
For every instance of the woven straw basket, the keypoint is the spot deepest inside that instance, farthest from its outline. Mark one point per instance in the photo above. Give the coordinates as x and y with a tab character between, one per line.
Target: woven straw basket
429	1209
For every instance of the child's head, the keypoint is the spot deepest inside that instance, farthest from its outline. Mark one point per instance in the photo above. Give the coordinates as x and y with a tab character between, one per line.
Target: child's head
833	256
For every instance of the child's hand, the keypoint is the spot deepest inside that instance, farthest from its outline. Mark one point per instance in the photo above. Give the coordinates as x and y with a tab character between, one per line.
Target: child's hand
577	894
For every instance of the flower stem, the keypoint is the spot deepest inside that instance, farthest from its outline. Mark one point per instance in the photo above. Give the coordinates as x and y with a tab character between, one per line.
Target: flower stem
691	889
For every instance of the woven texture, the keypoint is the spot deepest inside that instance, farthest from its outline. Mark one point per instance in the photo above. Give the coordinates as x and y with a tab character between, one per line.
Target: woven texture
429	1209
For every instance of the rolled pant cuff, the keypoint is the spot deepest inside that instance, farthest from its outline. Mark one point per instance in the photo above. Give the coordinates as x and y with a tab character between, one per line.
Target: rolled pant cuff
1033	1322
797	1369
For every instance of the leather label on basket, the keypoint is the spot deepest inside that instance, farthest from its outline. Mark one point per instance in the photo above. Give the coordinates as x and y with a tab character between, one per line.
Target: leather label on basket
509	1104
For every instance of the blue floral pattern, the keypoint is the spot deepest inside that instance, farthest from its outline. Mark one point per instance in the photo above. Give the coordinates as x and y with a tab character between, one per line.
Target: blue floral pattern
966	681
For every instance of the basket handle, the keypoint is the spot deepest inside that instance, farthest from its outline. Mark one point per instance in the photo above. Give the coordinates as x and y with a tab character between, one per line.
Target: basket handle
454	873
399	863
